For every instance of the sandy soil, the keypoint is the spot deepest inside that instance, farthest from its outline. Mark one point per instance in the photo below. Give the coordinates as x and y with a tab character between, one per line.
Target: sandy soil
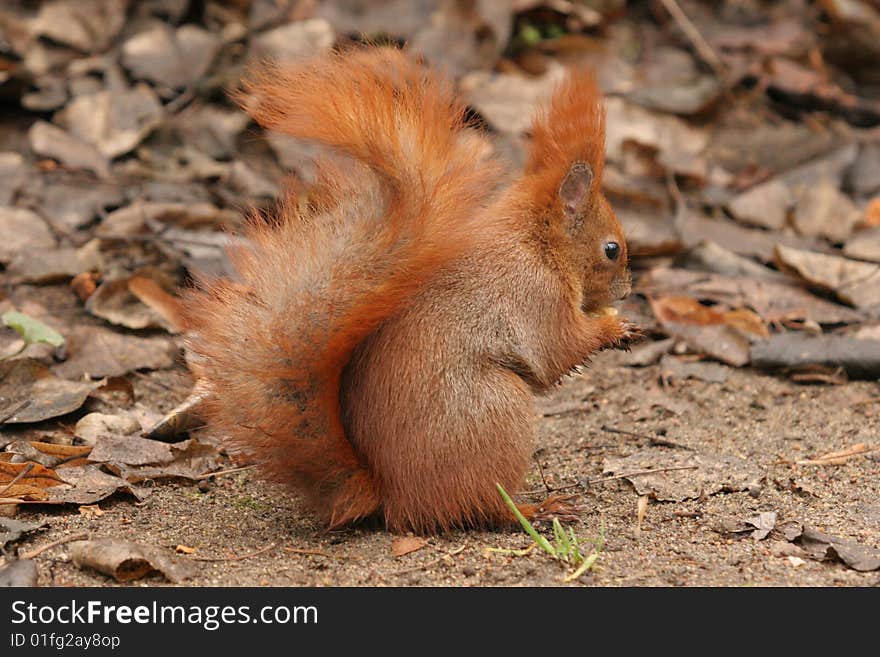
768	421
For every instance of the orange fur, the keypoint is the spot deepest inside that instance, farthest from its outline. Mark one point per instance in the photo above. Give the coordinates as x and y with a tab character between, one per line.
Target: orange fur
382	346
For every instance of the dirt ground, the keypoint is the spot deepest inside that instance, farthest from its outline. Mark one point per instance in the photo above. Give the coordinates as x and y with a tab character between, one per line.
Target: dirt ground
768	421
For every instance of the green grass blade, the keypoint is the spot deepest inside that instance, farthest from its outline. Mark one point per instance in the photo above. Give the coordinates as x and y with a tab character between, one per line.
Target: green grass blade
526	525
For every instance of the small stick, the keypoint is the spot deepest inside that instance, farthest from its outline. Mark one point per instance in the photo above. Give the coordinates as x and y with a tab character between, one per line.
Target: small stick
15	409
704	50
17	478
543	479
48	546
638	473
838	458
654	440
433	562
208	475
538	491
240	557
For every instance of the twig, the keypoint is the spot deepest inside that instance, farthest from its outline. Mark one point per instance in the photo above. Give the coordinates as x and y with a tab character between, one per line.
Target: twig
638	473
208	475
654	440
17	478
15	409
839	458
240	557
433	562
48	546
539	491
704	50
543	478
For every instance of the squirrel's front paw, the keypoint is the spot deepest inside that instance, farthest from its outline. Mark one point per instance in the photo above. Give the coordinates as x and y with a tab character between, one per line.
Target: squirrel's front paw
560	507
630	334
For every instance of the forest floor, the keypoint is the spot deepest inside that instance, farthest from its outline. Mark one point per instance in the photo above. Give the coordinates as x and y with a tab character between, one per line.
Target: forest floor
765	421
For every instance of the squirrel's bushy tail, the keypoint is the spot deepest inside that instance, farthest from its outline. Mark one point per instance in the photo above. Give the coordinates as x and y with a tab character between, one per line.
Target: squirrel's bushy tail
314	283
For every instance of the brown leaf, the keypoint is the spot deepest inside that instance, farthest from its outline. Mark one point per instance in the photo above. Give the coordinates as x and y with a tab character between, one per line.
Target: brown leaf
25	379
773	301
130	450
190	459
120	301
865	244
714	473
116	121
405	544
293	41
51	141
765	205
11	530
23	232
173	58
89	484
95	351
36	475
822	546
852	281
126	562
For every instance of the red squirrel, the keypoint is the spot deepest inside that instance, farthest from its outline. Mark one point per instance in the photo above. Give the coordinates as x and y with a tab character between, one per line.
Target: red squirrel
381	349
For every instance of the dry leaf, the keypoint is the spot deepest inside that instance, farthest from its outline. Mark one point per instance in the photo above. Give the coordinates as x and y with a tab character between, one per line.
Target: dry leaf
127	562
406	544
854	282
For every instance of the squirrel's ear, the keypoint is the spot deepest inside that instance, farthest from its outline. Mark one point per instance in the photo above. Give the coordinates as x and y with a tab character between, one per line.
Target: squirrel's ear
575	188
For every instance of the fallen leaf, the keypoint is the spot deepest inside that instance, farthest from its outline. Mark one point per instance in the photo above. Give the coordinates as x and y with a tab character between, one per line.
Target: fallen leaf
293	41
774	301
405	544
865	244
57	264
126	562
138	217
117	301
87	25
765	205
115	122
506	100
174	58
23	232
714	473
91	427
822	546
130	450
189	459
823	210
51	141
89	484
25	379
96	352
12	530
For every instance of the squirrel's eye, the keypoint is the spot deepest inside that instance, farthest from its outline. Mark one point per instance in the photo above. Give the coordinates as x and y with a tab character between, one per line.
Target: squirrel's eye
612	250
